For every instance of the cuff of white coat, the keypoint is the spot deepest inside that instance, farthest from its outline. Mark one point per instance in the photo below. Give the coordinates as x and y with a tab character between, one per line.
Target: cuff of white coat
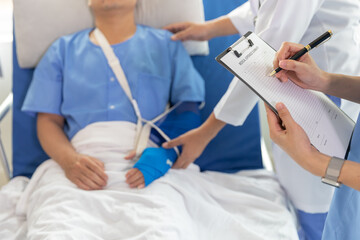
236	104
242	18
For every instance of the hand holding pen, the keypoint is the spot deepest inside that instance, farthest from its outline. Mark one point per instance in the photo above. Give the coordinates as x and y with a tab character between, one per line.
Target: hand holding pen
315	80
305	73
323	38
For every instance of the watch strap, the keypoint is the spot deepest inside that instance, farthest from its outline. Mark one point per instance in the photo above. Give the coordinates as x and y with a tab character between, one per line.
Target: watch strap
333	171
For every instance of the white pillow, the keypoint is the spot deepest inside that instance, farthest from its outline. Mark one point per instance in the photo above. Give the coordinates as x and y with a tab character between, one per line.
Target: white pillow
38	23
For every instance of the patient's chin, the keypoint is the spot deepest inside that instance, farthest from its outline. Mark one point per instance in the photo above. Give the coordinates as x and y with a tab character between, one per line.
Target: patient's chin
113	5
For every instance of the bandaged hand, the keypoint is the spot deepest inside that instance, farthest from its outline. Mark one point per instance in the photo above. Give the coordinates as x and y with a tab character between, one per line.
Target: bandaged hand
303	72
86	172
153	164
292	138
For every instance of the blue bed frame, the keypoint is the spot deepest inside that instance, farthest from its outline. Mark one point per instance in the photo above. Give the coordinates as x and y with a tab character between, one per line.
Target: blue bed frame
234	149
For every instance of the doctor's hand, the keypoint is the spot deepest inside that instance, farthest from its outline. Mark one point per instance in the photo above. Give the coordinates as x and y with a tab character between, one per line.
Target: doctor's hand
303	72
193	144
292	139
190	31
86	172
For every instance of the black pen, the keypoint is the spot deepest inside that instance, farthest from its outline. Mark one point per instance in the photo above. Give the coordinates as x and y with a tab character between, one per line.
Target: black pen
307	48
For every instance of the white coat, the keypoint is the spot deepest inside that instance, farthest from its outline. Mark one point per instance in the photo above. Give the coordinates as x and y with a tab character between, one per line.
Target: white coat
276	21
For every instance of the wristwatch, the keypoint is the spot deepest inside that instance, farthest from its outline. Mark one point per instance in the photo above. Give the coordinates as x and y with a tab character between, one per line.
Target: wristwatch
333	172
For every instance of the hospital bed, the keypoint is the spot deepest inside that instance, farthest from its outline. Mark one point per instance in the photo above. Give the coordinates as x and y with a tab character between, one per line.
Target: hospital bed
5	107
233	150
27	153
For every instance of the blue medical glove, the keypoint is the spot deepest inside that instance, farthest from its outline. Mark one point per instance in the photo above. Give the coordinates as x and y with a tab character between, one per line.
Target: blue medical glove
155	162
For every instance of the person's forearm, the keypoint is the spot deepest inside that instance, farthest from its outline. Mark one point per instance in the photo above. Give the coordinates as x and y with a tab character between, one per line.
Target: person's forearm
349	175
343	86
221	26
55	143
212	126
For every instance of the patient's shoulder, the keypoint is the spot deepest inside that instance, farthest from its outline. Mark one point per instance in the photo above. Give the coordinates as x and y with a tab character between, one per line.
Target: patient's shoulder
72	39
158	34
160	39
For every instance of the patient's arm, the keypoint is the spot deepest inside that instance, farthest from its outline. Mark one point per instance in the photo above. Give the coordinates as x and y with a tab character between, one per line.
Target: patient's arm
155	162
86	172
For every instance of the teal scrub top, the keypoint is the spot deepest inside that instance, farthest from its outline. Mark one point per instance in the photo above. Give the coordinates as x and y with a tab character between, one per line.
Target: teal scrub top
74	80
343	220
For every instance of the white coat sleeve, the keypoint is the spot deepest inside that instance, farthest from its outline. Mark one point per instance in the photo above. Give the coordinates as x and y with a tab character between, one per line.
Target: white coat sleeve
285	20
243	18
277	21
236	104
238	101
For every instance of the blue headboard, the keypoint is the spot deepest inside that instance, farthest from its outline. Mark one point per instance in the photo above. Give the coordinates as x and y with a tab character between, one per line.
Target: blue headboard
234	149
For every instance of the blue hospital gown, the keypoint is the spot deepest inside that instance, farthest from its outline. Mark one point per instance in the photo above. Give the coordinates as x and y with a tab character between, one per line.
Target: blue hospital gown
74	80
343	220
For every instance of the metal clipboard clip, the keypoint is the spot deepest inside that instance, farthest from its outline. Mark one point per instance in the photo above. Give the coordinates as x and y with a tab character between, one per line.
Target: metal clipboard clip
239	54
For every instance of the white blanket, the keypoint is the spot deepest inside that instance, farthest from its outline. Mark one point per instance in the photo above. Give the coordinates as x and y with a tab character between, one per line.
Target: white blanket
184	204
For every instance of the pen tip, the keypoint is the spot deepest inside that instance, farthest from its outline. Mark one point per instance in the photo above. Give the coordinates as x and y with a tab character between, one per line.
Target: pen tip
272	73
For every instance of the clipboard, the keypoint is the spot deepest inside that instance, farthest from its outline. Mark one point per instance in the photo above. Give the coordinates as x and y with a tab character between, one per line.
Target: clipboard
329	129
232	48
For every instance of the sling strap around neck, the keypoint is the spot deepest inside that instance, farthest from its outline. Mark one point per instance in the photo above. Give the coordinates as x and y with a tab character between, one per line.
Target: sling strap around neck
142	131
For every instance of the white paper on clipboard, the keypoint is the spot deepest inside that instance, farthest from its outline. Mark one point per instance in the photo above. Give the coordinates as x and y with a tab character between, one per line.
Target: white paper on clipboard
327	126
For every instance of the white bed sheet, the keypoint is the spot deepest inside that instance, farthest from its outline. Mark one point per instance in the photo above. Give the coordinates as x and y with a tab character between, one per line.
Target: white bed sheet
12	226
184	204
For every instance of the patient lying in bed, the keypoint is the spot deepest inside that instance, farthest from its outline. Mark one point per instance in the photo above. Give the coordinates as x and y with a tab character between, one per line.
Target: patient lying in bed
74	87
87	126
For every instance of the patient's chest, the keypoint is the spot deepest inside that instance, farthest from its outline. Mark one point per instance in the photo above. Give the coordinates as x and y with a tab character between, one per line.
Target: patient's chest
92	93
